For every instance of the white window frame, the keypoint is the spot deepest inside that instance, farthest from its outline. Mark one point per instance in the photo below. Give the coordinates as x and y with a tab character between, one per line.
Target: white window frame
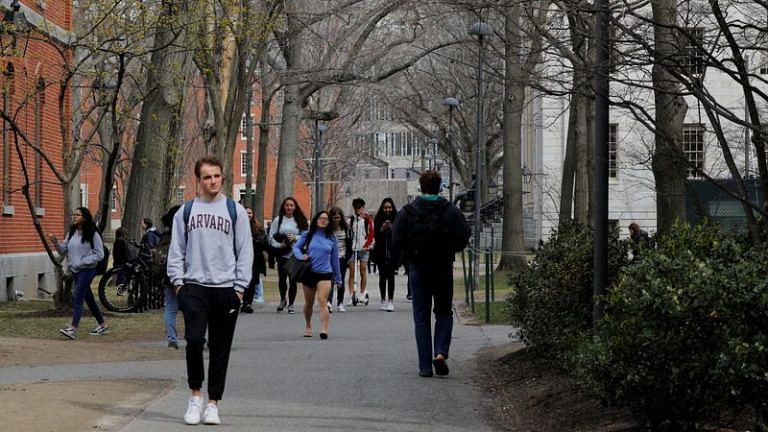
84	195
613	146
694	150
113	199
243	162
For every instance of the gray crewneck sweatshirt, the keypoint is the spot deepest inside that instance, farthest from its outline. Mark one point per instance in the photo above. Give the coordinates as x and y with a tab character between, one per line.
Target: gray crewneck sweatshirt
205	253
81	255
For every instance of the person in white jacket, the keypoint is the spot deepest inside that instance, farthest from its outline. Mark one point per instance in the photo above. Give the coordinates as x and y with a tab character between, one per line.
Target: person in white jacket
209	264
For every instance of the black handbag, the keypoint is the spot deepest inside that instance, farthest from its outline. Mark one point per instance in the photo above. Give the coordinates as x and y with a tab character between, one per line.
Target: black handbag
296	268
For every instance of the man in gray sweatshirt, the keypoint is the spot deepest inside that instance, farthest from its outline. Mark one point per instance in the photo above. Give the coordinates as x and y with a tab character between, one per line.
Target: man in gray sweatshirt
209	264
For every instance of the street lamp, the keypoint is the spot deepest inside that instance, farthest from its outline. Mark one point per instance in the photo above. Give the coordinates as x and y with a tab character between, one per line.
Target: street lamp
317	117
451	103
319	130
480	30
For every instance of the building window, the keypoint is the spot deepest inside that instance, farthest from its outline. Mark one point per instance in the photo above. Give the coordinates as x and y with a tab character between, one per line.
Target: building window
693	48
8	90
84	195
180	194
612	145
243	163
763	66
693	147
39	101
244	127
113	199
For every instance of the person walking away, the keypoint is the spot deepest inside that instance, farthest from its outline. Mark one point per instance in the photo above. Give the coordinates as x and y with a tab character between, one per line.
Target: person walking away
640	241
255	291
283	232
149	240
320	247
430	230
121	254
84	249
361	227
209	264
385	255
344	243
160	264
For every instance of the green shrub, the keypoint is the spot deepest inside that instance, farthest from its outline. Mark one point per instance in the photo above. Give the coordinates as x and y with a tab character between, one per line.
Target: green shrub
551	303
684	331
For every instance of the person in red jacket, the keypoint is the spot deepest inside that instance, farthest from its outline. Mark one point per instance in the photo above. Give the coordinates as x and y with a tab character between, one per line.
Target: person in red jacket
361	228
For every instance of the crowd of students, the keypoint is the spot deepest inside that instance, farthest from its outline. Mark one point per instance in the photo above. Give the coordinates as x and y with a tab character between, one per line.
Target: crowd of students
217	254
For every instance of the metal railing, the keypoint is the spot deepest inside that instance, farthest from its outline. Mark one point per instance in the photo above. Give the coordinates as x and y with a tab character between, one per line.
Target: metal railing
487	259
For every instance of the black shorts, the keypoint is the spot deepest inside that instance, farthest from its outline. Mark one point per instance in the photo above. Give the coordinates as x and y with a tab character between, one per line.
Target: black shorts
311	278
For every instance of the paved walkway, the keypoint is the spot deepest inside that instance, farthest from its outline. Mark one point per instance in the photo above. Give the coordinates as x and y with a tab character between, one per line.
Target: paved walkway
363	378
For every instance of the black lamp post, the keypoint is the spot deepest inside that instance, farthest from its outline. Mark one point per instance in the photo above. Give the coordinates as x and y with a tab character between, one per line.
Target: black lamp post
451	103
317	117
481	30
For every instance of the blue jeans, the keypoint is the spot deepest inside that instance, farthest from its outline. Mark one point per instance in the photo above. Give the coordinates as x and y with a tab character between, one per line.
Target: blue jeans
83	280
171	310
259	289
432	282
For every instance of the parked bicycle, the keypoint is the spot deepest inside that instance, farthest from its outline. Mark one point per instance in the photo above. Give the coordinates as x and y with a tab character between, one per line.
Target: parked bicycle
132	287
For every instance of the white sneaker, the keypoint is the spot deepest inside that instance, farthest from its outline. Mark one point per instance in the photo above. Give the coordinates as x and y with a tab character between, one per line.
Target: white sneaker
383	305
341	308
211	415
194	409
258	302
365	299
390	307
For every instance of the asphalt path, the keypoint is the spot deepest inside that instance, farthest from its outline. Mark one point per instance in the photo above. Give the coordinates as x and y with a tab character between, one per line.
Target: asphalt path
364	377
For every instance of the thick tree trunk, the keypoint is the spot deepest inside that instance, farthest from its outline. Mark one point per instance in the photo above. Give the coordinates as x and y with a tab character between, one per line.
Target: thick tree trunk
513	242
581	136
669	163
289	143
158	126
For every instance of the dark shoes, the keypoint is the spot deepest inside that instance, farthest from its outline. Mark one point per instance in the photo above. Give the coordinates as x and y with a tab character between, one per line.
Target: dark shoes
441	368
323	335
425	374
282	305
173	345
246	308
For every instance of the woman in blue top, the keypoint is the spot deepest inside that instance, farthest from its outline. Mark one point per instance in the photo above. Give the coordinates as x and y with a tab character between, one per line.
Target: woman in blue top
84	249
318	245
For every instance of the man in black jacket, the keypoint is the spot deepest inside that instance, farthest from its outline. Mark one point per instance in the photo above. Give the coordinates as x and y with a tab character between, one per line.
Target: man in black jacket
430	230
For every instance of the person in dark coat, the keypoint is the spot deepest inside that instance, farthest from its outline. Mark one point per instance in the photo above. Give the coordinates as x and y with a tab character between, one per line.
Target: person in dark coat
255	291
384	254
430	230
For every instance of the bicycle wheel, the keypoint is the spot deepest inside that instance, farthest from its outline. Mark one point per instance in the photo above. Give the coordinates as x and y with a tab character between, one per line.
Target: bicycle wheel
120	290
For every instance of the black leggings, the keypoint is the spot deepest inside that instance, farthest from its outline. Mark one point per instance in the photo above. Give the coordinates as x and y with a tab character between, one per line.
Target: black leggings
387	280
284	283
343	265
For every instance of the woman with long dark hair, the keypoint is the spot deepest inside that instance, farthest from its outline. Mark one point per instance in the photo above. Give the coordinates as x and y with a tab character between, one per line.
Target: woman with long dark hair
320	248
344	243
385	255
285	229
255	290
84	249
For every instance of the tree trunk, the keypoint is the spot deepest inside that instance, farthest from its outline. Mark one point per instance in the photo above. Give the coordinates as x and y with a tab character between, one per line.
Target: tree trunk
669	163
513	242
569	170
289	143
581	136
264	128
158	125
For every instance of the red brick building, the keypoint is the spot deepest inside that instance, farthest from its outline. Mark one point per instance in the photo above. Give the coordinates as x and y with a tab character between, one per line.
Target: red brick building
31	70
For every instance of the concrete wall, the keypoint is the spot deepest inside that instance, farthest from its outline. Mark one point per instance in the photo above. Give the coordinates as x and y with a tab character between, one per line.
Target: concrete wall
26	273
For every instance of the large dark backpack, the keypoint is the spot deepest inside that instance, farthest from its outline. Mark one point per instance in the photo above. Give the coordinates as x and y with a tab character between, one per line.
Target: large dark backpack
101	266
160	254
429	235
